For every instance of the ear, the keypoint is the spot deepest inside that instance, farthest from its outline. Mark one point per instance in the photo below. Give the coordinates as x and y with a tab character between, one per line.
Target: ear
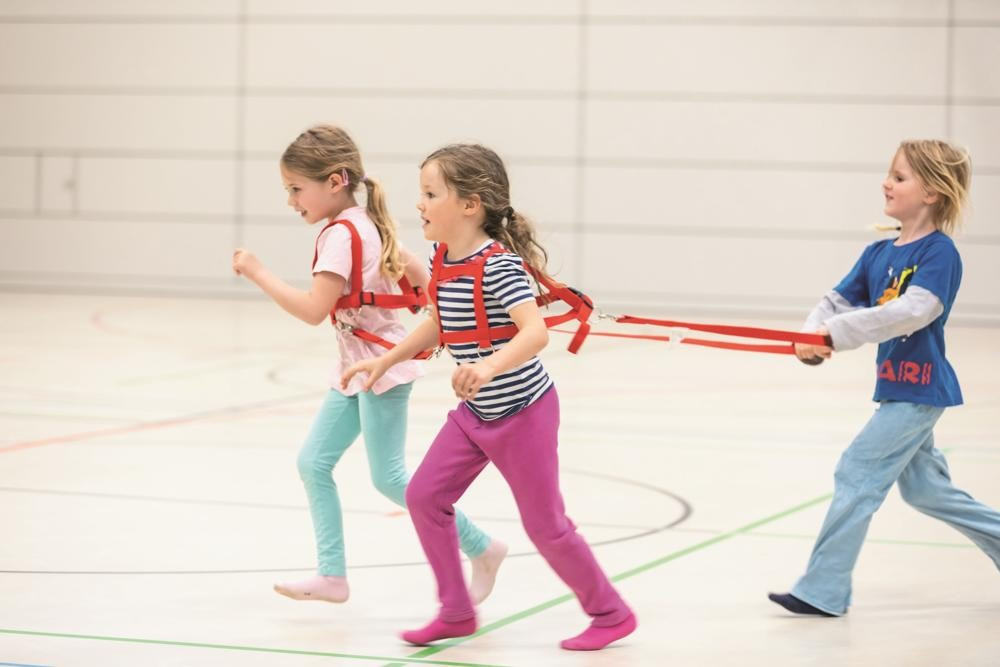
335	181
473	204
931	197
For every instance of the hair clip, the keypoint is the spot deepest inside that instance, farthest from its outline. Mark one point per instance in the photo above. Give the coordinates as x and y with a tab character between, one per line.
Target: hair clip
343	177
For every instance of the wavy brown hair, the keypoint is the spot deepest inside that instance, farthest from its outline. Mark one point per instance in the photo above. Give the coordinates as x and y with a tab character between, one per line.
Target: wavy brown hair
323	150
945	170
475	170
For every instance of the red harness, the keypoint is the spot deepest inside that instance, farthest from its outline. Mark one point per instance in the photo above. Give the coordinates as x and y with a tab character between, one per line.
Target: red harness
412	297
580	306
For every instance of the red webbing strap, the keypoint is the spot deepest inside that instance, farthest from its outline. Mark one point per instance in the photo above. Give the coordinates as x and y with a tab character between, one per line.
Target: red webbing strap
726	345
372	338
437	269
412	297
483	334
727	330
353	298
414	294
580	308
791	337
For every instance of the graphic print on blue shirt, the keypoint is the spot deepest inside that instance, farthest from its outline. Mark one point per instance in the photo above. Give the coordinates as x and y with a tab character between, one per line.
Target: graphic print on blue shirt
505	286
910	368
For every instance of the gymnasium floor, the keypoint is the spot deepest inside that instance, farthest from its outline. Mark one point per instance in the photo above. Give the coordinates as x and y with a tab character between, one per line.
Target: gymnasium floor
150	498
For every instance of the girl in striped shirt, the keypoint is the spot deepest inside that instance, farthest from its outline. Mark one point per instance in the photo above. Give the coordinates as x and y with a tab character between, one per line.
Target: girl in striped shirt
509	414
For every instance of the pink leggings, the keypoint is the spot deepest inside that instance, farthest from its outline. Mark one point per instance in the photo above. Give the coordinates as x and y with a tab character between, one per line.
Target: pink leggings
523	448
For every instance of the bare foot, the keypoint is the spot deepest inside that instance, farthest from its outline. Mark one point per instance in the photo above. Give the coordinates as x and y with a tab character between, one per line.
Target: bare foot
319	587
484	570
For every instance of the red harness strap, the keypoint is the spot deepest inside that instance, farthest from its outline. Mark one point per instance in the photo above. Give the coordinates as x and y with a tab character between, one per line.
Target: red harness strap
412	297
580	306
790	337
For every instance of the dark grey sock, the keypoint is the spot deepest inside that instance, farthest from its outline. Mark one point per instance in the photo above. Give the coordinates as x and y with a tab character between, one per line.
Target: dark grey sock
795	605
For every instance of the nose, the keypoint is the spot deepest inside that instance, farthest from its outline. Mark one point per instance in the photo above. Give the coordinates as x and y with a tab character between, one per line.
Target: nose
291	200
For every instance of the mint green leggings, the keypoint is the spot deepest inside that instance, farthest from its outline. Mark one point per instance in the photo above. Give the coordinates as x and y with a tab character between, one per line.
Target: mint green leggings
382	420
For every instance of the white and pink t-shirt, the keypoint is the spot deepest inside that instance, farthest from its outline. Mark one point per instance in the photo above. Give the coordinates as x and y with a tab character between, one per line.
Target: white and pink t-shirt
334	255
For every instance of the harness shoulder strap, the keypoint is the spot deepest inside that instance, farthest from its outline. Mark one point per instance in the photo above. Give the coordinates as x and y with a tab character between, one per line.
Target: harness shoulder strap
347	300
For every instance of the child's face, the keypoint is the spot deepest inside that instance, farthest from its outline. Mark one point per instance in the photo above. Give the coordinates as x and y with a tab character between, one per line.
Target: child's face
906	197
313	200
442	211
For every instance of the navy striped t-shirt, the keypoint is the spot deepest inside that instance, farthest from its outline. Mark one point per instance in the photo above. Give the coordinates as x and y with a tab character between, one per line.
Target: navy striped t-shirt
505	285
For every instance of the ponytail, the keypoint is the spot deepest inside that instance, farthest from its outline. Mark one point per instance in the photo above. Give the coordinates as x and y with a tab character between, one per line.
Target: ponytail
516	233
391	264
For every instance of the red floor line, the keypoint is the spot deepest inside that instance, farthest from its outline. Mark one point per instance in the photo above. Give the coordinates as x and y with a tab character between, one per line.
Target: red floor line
143	426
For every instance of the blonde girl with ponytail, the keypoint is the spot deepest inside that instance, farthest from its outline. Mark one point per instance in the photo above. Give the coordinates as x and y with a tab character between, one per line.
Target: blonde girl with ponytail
323	173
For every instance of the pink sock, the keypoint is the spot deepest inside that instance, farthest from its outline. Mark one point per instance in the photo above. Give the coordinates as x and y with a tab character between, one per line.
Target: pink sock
438	629
595	638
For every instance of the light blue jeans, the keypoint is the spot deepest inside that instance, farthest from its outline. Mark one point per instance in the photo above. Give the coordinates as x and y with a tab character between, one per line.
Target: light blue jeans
897	444
382	420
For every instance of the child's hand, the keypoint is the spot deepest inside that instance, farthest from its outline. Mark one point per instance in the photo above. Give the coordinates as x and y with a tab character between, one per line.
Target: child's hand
375	368
468	379
813	354
245	263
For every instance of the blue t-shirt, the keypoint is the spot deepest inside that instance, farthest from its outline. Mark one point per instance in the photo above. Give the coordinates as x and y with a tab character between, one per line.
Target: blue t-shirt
910	368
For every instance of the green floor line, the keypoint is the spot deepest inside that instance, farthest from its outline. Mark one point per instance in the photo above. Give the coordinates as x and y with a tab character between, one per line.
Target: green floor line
256	649
875	540
437	648
812	536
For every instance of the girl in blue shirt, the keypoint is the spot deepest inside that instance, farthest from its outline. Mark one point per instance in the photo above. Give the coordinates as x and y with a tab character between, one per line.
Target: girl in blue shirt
899	294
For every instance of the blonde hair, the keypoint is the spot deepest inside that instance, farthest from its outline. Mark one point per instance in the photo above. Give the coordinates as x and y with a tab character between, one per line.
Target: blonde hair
944	170
323	150
472	169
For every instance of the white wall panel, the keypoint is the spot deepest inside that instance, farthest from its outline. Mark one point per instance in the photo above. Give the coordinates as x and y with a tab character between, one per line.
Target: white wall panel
391	10
976	128
796	201
287	250
715	272
812	133
977	10
980	277
117	122
419	124
20	183
156	55
720	154
151	8
982	217
773	9
977	52
119	253
122	185
421	58
58	184
816	60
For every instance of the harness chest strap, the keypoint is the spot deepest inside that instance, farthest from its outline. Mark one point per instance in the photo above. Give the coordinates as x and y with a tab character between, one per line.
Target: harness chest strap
412	297
484	335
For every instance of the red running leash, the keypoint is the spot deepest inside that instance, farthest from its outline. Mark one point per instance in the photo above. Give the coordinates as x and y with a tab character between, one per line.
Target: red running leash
789	338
